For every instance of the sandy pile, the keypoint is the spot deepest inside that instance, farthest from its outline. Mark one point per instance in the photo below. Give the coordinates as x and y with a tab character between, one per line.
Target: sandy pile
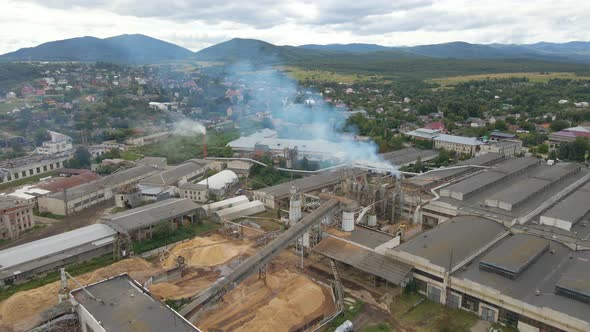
287	301
188	286
21	311
210	251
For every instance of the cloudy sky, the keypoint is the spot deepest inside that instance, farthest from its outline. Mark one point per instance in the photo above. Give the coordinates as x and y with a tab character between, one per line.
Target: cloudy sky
196	24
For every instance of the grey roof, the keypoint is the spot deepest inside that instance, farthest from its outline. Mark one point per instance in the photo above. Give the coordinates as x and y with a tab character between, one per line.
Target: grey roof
515	165
113	180
489	177
501	134
515	253
151	214
458	139
53	246
176	173
541	275
576	278
129	307
556	172
305	184
483	160
408	155
151	161
464	235
476	182
193	186
574	207
437	176
520	191
365	237
363	259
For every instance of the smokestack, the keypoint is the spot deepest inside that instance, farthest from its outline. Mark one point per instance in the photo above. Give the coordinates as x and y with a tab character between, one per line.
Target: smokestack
204	145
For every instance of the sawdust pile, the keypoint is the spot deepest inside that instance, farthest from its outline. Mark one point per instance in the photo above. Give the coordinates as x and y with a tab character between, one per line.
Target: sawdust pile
288	300
22	310
188	286
205	251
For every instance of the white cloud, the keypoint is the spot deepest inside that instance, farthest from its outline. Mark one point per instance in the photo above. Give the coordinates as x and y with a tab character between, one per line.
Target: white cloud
199	23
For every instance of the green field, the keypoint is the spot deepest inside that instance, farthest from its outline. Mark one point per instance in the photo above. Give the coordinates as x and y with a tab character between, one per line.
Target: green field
301	74
533	77
428	316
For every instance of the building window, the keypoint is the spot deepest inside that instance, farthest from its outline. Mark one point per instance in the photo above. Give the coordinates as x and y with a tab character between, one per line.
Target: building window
433	293
24	173
470	303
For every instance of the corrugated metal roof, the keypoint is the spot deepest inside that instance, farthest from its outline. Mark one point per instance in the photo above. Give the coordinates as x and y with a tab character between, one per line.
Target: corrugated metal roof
53	245
463	235
304	184
151	214
458	139
176	173
246	209
220	180
365	260
515	253
225	203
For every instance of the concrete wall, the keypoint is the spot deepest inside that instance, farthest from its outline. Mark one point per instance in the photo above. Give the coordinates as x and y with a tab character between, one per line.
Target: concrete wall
32	169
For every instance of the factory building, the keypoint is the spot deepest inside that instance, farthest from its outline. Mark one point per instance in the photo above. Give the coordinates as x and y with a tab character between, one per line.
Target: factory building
407	156
16	217
157	162
508	191
21	263
58	144
139	223
509	148
219	183
311	149
239	211
80	197
520	279
194	191
462	145
209	209
176	175
21	168
272	196
130	307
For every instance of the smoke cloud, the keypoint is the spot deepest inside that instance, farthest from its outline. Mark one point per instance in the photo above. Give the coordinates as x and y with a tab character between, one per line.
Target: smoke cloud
303	114
188	127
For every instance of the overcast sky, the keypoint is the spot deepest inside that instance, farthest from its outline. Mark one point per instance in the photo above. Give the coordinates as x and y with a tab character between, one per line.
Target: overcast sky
196	24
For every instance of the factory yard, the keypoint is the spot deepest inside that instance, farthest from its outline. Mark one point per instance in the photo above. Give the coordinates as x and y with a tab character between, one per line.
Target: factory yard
285	302
24	310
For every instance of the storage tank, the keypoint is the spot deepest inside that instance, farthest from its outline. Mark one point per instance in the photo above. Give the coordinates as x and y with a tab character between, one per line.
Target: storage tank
372	220
345	327
347	221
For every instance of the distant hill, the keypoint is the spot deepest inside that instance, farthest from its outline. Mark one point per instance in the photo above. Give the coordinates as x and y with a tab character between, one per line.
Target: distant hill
353	48
130	49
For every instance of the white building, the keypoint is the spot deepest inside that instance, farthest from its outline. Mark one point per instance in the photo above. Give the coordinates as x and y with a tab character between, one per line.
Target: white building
460	144
220	182
59	143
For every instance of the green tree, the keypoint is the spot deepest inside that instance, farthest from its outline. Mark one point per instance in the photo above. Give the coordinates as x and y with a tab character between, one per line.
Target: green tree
558	125
543	148
501	125
82	159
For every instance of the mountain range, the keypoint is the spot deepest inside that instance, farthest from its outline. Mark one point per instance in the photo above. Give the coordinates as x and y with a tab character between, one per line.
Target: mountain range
141	49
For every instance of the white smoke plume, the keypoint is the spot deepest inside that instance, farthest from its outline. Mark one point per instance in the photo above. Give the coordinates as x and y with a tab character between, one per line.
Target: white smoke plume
187	127
322	121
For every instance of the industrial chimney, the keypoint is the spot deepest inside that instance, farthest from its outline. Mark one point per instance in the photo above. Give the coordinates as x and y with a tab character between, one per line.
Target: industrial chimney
204	145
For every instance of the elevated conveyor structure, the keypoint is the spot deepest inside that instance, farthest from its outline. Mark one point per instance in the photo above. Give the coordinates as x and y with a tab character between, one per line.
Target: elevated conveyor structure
257	261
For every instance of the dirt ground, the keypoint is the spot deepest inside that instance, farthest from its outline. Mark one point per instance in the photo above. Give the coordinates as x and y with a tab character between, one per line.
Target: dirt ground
22	310
83	218
285	302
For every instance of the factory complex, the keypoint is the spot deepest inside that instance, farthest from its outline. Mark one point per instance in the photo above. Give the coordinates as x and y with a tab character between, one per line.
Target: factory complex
503	238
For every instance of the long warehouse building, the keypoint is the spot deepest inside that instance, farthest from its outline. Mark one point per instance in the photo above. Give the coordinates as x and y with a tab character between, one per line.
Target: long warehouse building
21	263
271	196
80	197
